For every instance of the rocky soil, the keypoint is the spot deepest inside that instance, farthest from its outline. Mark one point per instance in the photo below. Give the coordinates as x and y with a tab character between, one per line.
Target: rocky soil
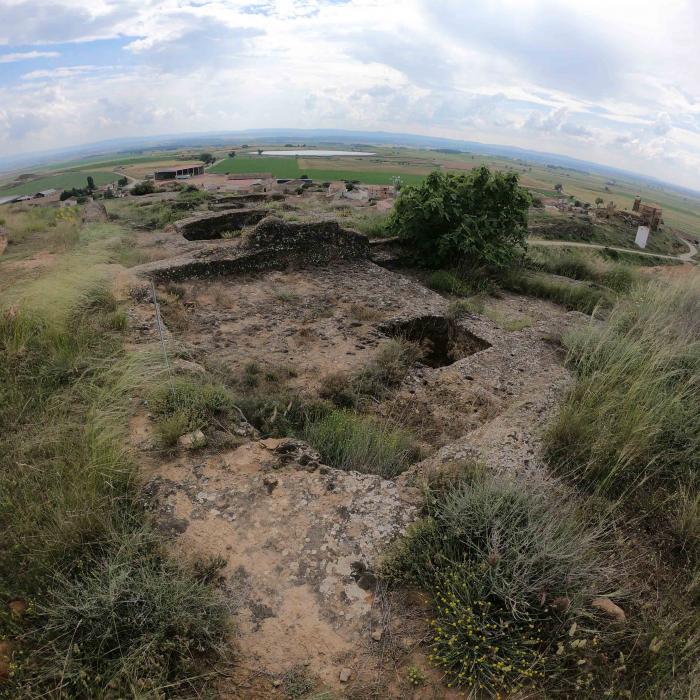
300	541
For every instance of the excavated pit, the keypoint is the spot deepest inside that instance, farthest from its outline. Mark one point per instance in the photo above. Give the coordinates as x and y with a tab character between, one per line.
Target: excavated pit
443	340
213	226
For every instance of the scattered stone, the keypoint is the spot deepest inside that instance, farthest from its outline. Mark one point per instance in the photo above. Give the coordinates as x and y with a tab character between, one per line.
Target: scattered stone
378	634
187	367
193	440
606	606
561	604
277	682
270	483
17	607
94	212
345	675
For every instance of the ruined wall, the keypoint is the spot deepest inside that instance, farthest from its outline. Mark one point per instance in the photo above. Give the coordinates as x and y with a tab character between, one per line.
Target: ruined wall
273	245
211	225
239	201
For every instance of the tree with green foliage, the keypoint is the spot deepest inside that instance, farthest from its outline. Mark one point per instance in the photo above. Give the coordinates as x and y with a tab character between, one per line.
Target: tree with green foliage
259	151
123	181
232	154
90	183
207	158
479	218
599	201
145	187
559	188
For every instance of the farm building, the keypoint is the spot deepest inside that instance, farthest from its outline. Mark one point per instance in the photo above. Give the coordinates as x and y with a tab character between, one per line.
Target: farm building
45	193
178	173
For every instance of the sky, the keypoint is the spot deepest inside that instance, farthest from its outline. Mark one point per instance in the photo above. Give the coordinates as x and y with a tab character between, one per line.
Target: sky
611	81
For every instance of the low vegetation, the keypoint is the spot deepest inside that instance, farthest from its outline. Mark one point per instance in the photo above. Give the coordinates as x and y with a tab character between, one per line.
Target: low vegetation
365	444
384	372
77	556
580	296
184	404
579	265
510	570
631	426
513	569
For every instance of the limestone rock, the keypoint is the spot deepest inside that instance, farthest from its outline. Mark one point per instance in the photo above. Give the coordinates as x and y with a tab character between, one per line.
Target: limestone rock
187	367
193	440
94	212
345	675
606	606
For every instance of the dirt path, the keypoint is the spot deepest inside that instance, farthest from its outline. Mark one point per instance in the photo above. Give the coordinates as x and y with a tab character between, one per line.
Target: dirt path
685	257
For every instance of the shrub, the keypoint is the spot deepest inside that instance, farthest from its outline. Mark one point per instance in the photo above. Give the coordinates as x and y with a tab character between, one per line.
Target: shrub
478	642
145	187
359	443
480	217
495	555
133	621
188	402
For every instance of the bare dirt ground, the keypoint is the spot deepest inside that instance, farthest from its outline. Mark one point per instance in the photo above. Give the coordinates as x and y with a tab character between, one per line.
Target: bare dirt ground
299	540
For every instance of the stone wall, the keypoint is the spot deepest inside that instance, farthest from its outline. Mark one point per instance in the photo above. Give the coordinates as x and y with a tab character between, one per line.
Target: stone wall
211	225
274	244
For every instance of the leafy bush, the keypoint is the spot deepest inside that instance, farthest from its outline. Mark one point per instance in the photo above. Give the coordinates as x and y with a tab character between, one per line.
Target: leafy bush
480	217
350	441
145	187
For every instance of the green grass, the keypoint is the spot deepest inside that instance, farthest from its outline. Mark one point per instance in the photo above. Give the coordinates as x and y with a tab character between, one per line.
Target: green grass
186	404
631	425
580	296
367	177
61	181
109	612
278	166
495	556
359	443
584	265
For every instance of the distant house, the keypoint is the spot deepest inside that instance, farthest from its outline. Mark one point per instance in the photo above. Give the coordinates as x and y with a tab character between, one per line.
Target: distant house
45	193
649	214
179	173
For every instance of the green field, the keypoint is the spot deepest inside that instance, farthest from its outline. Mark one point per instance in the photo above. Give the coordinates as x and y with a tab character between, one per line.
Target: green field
369	177
289	167
279	167
61	181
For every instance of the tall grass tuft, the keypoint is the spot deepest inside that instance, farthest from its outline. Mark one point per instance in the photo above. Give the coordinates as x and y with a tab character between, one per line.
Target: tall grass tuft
111	615
631	425
496	557
350	441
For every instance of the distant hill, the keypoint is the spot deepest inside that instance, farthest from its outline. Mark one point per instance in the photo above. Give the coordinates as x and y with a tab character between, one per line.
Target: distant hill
318	137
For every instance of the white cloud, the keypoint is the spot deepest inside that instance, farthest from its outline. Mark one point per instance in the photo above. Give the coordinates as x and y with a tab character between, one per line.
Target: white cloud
27	56
607	81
